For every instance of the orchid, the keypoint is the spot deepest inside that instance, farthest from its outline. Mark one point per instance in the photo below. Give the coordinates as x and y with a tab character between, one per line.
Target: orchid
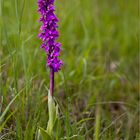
49	36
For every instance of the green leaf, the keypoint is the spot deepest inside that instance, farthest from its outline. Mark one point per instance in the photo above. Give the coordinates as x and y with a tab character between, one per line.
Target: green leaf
3	124
50	133
8	107
43	135
53	114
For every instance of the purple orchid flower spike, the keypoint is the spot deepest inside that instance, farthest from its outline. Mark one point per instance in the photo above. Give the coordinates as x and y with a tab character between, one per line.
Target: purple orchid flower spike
49	35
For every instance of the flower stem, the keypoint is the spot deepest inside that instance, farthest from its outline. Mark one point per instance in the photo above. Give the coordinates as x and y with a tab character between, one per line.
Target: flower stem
51	82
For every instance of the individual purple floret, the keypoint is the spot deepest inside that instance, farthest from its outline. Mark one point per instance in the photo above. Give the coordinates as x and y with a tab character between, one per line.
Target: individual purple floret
49	34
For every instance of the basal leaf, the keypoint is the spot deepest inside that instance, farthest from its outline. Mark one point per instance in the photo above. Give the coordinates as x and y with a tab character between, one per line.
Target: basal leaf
43	135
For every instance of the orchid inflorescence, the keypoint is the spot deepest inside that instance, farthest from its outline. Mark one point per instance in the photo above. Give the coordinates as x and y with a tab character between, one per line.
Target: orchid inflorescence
49	34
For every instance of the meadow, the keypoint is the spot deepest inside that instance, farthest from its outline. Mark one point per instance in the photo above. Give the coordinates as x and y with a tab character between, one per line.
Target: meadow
97	89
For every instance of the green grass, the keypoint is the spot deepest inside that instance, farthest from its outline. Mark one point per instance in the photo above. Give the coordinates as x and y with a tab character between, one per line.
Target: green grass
98	87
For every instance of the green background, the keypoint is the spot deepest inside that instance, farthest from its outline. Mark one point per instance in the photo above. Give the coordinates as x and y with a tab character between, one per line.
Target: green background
98	87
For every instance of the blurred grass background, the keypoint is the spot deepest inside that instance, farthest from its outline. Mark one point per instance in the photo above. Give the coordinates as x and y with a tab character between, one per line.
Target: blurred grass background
98	87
